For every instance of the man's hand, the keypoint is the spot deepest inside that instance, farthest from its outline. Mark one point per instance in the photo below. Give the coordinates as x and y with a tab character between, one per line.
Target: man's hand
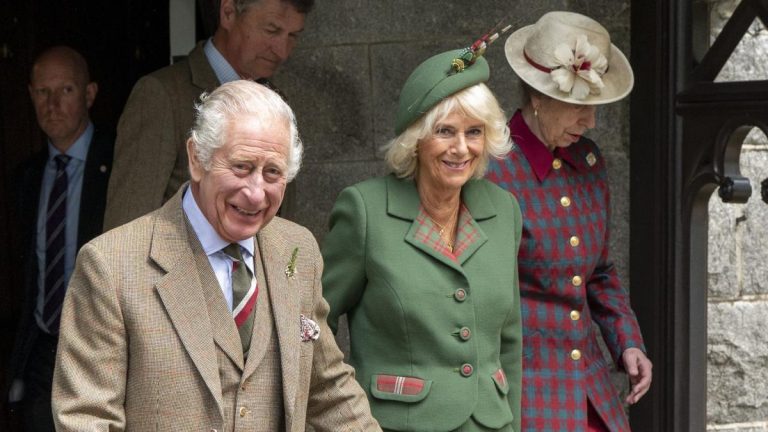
638	368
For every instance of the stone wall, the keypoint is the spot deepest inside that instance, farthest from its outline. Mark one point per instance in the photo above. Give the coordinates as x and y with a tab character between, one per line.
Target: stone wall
737	371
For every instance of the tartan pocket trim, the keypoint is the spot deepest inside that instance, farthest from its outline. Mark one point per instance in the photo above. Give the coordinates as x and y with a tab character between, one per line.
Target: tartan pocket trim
500	378
399	388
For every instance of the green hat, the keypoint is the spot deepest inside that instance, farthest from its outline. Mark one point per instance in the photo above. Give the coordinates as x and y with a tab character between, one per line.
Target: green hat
434	80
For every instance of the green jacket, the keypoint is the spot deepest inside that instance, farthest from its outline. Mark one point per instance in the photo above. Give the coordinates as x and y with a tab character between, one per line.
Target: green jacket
428	334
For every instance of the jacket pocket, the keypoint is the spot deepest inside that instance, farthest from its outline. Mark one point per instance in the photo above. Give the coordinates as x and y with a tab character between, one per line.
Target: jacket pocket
500	379
399	388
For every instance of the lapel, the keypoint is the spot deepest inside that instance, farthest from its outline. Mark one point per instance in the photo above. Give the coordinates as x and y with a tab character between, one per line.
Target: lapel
403	202
173	249
284	297
222	323
262	320
98	165
202	73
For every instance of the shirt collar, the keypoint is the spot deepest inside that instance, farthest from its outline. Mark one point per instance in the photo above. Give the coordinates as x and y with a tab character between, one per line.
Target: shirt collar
209	238
221	67
535	151
78	150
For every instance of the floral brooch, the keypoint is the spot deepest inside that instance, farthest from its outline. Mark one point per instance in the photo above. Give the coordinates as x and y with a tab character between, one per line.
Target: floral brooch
579	69
290	268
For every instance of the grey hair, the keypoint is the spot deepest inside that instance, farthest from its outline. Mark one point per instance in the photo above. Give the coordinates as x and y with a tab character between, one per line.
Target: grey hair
477	102
301	6
242	97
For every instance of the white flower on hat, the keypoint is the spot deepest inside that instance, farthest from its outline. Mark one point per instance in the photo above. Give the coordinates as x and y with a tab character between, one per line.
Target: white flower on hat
579	68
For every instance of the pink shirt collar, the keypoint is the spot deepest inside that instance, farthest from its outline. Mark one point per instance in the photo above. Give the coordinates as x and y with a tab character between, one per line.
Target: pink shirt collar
535	151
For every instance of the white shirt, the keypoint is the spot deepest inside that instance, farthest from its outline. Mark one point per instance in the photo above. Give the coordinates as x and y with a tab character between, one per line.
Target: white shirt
213	244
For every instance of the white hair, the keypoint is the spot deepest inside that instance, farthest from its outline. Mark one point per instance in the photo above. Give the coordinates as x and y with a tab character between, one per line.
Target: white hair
233	99
477	102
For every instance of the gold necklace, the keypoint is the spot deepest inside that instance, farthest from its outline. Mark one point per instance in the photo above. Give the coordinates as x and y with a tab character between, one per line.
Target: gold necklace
448	242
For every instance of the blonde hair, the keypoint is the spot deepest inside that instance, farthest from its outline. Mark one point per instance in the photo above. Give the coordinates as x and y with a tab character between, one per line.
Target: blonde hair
475	102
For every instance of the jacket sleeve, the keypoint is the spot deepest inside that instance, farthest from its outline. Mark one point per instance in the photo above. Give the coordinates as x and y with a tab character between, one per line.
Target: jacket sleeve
145	154
89	379
512	335
336	401
609	303
344	278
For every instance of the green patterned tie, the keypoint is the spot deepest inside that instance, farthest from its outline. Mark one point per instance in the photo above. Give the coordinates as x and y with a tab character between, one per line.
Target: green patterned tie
243	297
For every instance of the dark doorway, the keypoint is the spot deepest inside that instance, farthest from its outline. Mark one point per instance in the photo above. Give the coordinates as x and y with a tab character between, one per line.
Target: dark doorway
122	40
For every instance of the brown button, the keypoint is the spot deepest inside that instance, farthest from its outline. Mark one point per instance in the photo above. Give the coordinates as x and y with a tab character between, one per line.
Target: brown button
460	295
565	201
575	315
242	388
465	333
243	411
576	281
557	163
574	241
467	369
576	355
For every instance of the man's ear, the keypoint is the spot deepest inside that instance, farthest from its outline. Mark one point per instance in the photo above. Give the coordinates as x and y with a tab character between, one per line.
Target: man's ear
90	93
196	168
227	14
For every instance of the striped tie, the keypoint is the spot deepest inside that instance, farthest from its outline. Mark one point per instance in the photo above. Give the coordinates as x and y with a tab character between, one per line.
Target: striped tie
244	293
55	233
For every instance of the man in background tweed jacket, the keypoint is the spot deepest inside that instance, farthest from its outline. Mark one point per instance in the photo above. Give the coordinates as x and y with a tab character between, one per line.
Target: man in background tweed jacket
148	340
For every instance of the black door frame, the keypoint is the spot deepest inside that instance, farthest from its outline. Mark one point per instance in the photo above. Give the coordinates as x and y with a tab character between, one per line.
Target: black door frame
685	141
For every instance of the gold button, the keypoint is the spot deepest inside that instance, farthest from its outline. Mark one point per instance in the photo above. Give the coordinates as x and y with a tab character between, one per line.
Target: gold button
243	411
557	163
565	201
575	315
576	355
576	281
574	241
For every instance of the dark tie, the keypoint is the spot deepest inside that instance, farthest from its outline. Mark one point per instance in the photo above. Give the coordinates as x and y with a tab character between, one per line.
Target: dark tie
55	236
244	293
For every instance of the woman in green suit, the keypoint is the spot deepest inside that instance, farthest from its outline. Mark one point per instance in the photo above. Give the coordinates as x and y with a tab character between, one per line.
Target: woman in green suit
423	261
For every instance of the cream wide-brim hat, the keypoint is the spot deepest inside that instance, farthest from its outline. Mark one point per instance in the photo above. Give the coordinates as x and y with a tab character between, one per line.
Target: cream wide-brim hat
538	42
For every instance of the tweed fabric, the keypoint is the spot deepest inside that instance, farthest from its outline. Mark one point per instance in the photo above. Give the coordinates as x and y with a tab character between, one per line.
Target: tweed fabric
407	304
150	151
148	343
559	307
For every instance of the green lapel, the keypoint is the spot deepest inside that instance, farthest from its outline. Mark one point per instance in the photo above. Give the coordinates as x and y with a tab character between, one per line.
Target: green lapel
403	202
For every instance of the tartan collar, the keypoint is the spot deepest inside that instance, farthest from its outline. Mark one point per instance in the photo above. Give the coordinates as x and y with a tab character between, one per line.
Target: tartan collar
535	151
403	202
403	199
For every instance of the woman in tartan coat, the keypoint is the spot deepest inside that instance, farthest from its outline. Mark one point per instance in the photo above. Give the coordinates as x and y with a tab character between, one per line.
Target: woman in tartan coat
568	66
423	262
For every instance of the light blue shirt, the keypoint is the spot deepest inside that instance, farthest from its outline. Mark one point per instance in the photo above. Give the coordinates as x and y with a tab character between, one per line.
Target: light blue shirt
213	244
221	67
75	168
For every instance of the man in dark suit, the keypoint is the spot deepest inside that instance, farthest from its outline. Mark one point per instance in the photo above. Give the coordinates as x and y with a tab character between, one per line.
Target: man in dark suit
253	38
61	194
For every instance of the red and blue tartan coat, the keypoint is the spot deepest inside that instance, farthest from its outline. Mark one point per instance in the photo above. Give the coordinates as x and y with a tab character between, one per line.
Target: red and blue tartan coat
566	282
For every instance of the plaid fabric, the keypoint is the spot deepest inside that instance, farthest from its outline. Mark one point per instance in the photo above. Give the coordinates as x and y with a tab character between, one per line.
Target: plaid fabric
399	384
429	233
564	267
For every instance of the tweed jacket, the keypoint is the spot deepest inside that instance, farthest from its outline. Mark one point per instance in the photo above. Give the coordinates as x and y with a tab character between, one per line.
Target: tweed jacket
434	339
567	282
148	343
150	152
93	197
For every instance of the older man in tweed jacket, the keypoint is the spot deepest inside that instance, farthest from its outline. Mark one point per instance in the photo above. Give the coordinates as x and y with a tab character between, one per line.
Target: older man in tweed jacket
207	314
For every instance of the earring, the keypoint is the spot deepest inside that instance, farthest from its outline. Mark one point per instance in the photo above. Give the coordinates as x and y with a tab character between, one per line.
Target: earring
535	111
